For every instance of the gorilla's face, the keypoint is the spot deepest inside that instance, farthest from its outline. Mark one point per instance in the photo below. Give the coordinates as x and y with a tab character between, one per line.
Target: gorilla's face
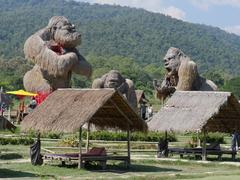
172	61
113	80
66	35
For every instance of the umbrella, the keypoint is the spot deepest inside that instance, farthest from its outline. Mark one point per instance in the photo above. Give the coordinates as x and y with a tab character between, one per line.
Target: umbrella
21	93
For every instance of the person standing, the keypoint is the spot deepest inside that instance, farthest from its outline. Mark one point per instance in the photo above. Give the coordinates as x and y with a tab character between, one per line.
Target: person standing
143	110
234	141
150	111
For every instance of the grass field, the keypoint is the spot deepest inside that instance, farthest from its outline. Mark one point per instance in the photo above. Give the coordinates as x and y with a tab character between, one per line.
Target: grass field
140	169
15	163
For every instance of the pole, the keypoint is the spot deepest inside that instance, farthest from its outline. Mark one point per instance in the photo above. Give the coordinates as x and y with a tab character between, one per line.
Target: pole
88	131
128	145
204	150
166	144
80	148
198	140
9	114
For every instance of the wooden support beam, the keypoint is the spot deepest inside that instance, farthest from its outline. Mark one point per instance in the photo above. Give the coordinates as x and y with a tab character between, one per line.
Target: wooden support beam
88	132
107	107
128	145
204	148
80	148
166	135
106	118
198	139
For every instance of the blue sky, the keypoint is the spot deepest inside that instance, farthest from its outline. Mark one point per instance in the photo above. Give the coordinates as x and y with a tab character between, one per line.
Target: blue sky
220	13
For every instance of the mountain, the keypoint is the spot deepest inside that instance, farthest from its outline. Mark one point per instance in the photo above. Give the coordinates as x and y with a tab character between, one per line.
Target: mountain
114	30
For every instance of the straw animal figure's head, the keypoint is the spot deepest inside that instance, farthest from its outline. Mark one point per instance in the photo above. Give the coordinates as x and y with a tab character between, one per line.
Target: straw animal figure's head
182	75
53	51
113	79
172	60
63	32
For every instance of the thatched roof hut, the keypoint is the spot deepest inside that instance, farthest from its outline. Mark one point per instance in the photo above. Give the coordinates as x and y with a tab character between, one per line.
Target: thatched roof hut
196	110
141	98
67	110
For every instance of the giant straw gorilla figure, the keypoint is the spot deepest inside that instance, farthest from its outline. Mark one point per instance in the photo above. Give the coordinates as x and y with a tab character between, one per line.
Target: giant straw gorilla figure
182	75
53	51
113	79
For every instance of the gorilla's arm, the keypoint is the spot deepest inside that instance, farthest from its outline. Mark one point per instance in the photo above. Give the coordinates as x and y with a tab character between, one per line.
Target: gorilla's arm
163	90
82	66
98	83
187	75
36	49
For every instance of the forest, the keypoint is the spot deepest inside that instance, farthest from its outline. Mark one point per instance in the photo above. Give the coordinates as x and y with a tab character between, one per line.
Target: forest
133	41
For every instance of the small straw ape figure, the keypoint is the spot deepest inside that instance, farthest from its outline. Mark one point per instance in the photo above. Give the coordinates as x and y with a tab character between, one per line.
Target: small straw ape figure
113	79
182	75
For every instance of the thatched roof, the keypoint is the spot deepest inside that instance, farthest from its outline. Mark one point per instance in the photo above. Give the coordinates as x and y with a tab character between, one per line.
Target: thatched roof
194	110
5	124
67	110
141	96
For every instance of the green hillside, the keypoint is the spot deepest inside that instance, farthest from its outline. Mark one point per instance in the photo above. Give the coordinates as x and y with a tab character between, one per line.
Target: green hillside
114	30
131	40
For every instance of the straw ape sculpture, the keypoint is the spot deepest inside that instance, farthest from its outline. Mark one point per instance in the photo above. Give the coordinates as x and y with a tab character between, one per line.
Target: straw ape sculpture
182	75
53	51
113	79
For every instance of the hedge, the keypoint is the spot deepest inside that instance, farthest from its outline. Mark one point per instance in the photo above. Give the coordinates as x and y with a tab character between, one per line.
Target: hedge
135	136
16	141
210	138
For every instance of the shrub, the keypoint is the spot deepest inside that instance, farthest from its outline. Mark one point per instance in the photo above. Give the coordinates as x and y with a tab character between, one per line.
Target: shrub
3	141
210	138
71	141
122	136
50	135
16	141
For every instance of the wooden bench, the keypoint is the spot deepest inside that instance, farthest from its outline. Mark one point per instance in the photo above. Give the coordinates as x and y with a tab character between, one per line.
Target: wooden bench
95	154
198	152
103	160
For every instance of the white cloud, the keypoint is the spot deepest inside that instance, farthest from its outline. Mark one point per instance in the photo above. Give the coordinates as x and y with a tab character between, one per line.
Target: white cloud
174	12
205	4
150	5
233	29
156	6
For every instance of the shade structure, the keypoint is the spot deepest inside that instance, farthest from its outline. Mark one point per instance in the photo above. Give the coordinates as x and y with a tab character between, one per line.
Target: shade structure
66	110
21	93
198	110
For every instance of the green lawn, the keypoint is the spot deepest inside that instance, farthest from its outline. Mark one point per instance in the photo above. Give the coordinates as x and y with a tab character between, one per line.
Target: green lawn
141	169
14	164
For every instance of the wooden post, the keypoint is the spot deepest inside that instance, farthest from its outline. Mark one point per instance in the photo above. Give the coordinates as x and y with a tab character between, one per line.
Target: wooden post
80	148
204	150
128	145
88	131
198	139
9	114
166	141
